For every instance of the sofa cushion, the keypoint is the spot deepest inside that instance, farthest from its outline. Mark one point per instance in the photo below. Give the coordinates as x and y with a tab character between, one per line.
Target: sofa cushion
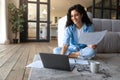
116	25
97	24
106	24
110	43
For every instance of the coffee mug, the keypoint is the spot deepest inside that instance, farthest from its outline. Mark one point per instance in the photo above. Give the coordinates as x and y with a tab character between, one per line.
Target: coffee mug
94	66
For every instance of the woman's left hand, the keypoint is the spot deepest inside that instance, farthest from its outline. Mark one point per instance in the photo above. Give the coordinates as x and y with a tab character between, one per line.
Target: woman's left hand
92	46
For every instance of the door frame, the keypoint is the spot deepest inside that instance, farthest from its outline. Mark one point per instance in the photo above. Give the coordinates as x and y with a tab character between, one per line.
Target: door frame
24	34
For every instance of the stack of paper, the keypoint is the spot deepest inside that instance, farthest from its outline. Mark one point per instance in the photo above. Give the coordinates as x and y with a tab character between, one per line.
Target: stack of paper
36	64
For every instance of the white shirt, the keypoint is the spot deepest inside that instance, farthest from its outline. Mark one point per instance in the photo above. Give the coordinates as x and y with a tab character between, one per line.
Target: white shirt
79	31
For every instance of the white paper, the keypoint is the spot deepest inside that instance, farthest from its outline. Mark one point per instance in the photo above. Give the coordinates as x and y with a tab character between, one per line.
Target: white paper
71	61
82	62
78	61
36	64
92	37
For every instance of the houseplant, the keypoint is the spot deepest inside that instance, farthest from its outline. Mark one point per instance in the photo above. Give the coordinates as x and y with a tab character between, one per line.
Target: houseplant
16	19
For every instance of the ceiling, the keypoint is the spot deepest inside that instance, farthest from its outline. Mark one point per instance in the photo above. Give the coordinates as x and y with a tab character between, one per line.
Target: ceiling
63	5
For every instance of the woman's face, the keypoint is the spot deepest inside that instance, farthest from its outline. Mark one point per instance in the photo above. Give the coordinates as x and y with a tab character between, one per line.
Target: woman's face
76	17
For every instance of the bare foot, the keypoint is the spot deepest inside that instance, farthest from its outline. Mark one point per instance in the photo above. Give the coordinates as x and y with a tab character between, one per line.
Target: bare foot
74	55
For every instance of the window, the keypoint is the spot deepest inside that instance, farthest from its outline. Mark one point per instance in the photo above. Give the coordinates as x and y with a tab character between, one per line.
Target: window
105	9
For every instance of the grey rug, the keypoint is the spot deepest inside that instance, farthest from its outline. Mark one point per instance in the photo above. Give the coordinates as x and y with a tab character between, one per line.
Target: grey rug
105	73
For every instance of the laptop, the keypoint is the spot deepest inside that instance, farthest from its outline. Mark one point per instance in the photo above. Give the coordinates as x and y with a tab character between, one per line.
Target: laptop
55	61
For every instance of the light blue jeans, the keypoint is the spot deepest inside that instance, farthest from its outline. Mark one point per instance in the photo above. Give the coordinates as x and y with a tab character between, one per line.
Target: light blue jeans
85	53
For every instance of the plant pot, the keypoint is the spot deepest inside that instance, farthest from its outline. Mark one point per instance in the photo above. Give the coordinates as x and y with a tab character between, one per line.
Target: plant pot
15	41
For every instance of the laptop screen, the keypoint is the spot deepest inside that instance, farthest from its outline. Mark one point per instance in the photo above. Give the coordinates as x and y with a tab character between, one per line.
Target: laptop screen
56	61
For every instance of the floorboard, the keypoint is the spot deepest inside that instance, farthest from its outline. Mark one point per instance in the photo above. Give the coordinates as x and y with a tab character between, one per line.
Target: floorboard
14	58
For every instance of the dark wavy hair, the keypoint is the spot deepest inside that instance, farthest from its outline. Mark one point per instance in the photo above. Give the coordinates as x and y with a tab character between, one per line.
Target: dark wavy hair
79	8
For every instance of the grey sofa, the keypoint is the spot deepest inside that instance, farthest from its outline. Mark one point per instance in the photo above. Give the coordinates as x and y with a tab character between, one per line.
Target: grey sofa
111	41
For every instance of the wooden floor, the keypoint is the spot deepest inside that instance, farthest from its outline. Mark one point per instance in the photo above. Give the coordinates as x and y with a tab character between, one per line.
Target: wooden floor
14	58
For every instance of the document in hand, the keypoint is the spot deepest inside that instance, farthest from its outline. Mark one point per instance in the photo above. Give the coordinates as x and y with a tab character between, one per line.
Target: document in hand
92	37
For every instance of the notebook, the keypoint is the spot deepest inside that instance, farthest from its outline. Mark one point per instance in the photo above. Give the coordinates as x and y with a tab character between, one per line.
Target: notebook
55	61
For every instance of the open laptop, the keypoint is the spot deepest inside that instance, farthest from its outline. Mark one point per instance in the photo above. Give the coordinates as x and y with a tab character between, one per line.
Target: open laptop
56	61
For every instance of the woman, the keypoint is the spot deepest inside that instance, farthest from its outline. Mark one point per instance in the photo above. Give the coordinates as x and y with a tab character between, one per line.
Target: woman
77	23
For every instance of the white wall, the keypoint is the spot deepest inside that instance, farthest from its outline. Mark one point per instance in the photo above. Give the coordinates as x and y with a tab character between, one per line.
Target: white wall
0	17
0	12
5	32
3	25
16	2
56	14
